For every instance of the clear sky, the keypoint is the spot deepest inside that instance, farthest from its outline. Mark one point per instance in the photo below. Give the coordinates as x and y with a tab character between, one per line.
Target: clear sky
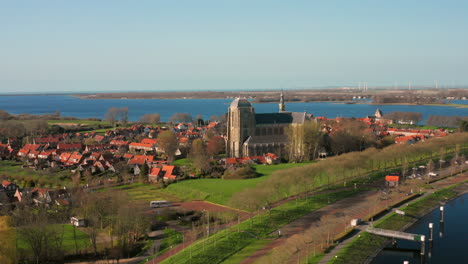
220	44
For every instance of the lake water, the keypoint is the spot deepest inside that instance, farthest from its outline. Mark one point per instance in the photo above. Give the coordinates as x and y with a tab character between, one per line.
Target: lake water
450	243
83	108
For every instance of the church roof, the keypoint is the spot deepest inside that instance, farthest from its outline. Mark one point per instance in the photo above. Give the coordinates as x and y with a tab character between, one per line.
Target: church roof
238	102
282	118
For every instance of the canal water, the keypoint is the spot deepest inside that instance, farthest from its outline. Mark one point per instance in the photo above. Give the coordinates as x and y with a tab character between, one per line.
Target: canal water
450	244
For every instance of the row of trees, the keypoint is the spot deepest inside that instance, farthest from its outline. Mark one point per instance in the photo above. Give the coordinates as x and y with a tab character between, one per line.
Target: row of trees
307	140
445	121
115	113
408	98
14	128
340	169
155	118
404	117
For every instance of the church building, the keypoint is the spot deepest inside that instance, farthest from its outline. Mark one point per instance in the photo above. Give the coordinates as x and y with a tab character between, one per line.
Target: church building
251	134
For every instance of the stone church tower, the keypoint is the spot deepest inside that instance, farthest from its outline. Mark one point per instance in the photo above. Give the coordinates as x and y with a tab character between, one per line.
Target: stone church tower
241	124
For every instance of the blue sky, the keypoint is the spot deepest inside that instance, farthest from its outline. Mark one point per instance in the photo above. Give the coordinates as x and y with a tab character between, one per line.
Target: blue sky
210	45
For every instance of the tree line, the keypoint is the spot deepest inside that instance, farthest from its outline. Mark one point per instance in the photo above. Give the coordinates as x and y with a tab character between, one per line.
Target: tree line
340	169
446	121
404	117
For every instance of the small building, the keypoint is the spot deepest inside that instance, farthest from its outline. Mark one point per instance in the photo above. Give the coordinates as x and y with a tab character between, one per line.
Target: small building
392	180
78	221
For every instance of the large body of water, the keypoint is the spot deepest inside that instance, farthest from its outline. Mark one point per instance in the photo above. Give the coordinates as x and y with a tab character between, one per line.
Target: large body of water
450	243
83	108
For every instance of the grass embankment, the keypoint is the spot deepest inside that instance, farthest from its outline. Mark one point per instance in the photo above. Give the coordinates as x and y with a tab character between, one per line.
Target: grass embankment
222	245
68	243
365	245
171	238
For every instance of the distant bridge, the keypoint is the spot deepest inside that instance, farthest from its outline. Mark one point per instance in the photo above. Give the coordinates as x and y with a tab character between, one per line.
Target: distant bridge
400	235
396	234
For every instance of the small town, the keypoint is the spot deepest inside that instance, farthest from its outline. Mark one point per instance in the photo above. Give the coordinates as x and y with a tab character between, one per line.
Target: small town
233	132
75	177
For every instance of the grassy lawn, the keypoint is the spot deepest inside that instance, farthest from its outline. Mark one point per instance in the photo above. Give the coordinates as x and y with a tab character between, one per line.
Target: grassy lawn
182	162
82	239
220	246
362	247
99	131
144	192
220	191
78	122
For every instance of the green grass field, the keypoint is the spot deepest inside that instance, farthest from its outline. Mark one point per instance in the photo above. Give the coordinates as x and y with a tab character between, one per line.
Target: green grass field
142	192
82	239
78	122
220	191
214	190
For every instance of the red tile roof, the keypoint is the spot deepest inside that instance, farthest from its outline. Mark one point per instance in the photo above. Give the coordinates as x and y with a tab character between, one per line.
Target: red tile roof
168	172
392	178
5	183
154	171
151	141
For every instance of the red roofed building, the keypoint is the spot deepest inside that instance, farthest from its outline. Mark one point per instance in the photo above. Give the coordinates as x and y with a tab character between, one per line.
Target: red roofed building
141	146
64	157
392	180
154	174
24	151
169	172
99	138
71	146
119	143
151	141
45	154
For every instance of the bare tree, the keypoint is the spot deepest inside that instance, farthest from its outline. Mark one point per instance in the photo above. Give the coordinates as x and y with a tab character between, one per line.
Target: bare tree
181	117
151	119
124	115
112	115
168	141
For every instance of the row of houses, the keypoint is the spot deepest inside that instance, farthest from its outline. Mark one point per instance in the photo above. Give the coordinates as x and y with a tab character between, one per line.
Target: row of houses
11	193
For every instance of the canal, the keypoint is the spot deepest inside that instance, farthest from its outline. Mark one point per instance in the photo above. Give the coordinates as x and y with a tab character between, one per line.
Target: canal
450	244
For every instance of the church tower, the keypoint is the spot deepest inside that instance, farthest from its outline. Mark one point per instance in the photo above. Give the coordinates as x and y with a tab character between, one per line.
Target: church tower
241	125
282	107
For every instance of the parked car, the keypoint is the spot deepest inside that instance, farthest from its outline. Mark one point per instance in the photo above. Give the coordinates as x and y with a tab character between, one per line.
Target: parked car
432	174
